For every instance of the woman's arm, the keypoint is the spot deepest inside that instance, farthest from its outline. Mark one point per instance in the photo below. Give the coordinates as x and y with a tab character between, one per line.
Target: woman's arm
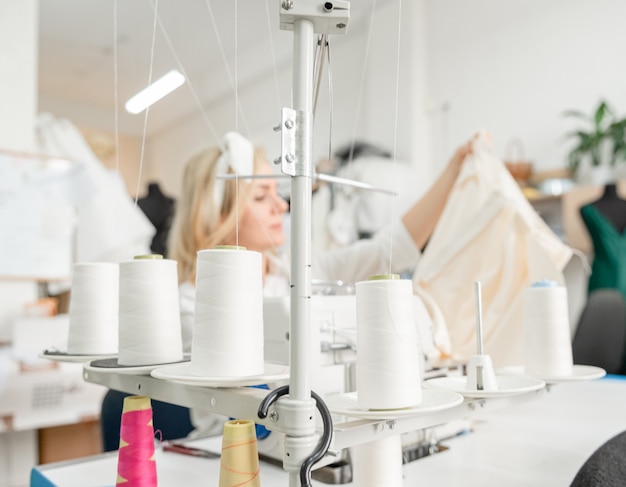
366	257
372	256
420	220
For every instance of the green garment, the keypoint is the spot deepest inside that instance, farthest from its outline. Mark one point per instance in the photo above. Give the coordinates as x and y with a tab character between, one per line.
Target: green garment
609	263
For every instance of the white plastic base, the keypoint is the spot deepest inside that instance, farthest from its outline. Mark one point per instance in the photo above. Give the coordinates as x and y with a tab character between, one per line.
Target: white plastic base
480	374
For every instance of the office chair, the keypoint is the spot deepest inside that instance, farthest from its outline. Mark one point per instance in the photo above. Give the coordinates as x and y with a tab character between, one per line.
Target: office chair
600	337
606	467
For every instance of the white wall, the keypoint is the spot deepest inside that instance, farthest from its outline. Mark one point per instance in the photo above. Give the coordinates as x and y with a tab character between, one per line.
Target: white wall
18	106
18	72
363	106
513	67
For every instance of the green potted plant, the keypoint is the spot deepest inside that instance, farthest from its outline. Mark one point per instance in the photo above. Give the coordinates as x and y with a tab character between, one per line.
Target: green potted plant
600	143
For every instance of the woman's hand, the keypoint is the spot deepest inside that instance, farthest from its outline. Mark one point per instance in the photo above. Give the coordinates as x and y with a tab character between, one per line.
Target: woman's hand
460	154
420	220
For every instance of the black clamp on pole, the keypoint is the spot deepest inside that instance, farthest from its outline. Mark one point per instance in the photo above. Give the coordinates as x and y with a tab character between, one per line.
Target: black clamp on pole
324	443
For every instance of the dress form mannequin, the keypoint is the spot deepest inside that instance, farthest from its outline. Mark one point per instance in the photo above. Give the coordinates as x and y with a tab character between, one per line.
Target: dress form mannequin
612	207
159	209
605	219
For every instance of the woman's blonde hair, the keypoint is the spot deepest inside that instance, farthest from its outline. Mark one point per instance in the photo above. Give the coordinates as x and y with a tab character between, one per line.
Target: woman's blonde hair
197	223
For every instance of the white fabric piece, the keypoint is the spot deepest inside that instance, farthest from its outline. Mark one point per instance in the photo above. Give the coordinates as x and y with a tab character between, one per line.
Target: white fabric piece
110	228
488	232
238	154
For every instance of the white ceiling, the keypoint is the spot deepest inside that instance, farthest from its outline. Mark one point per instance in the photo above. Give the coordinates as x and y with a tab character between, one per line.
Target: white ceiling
76	54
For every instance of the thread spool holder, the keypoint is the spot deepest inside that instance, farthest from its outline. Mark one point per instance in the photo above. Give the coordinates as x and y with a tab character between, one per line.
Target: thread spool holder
480	372
293	414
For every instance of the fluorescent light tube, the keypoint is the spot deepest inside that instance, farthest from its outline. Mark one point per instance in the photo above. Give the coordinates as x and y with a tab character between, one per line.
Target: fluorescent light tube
154	92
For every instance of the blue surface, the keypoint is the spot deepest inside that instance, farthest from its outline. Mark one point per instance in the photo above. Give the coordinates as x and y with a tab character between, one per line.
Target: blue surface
614	377
544	283
37	479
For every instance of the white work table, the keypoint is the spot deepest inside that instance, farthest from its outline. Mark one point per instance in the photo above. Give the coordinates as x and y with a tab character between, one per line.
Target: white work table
542	442
537	443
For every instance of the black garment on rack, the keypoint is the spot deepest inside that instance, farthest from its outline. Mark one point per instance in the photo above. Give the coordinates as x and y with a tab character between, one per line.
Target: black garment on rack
159	209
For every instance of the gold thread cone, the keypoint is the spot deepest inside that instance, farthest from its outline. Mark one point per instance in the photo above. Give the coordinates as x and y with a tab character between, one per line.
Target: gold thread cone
240	458
383	277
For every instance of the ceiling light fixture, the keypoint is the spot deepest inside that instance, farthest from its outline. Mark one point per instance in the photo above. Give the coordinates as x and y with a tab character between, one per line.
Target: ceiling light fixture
154	92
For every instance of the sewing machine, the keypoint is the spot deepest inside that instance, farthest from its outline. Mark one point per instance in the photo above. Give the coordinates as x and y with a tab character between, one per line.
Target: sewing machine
333	337
333	363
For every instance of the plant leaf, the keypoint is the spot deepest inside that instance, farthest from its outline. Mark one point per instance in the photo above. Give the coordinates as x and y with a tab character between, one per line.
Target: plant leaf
601	111
576	114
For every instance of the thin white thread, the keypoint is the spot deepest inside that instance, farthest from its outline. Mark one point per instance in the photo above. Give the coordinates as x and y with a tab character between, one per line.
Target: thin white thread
361	88
225	61
395	135
194	93
272	55
272	242
115	91
236	119
330	98
236	210
236	66
145	119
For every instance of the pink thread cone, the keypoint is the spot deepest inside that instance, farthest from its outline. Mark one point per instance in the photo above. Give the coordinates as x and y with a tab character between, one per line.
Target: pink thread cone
135	462
239	465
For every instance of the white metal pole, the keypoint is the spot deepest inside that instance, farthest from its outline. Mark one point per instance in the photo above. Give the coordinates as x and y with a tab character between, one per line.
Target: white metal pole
300	329
300	325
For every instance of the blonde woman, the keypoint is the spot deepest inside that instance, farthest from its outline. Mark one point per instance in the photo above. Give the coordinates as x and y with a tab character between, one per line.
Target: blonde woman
212	211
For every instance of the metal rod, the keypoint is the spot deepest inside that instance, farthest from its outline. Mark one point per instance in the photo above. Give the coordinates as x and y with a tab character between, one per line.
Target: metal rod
300	329
356	184
320	56
319	176
479	318
300	324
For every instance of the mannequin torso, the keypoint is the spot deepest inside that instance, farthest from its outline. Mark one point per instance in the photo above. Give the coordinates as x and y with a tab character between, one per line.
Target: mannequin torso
612	207
605	220
159	209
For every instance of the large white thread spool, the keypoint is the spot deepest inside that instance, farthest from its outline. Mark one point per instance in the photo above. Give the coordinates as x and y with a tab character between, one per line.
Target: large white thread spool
94	305
378	463
150	330
388	371
548	346
228	319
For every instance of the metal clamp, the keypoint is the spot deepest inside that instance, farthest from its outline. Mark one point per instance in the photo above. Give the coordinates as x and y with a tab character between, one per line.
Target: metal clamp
324	443
328	17
295	129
